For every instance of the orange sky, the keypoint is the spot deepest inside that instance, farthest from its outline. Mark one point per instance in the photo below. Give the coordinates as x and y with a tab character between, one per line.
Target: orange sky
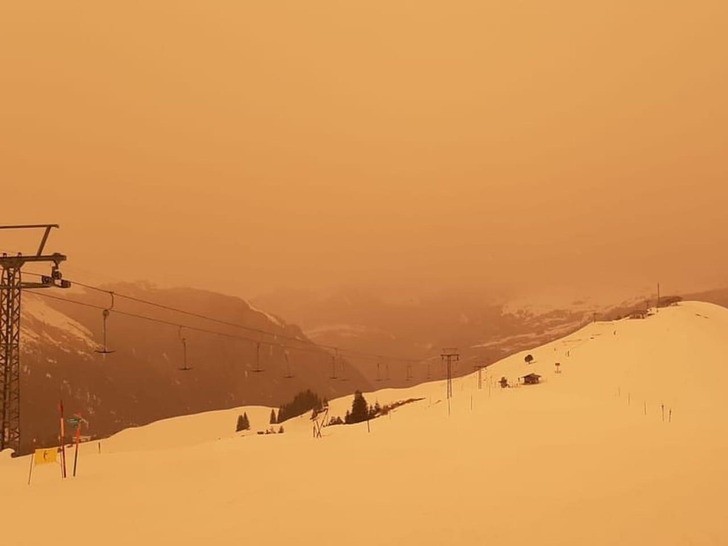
243	146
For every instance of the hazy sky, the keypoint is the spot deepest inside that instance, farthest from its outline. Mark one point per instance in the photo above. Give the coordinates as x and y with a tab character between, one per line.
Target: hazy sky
242	146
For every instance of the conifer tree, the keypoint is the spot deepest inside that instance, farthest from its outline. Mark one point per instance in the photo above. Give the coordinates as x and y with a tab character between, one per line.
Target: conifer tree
359	408
303	401
246	423
273	419
241	424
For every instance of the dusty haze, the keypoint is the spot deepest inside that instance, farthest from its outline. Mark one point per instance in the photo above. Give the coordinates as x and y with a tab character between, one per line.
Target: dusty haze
524	147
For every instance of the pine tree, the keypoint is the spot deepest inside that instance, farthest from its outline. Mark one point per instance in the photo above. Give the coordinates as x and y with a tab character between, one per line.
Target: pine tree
280	429
303	401
359	409
273	419
246	423
241	424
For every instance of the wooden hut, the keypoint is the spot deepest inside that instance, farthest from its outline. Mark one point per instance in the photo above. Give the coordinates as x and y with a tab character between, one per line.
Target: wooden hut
531	379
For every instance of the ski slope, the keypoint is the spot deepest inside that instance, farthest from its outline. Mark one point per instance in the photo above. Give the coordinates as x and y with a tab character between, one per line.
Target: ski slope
587	457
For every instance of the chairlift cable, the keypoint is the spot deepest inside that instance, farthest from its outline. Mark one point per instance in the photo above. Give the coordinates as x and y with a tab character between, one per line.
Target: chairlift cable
226	323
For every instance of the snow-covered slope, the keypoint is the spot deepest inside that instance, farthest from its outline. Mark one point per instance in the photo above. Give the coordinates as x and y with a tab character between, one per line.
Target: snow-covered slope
586	457
41	324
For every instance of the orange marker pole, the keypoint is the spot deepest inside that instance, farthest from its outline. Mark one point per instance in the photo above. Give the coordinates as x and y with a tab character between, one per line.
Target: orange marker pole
30	474
75	454
63	441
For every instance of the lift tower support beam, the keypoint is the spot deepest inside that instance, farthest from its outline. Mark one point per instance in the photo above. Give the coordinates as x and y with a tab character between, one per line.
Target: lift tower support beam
11	287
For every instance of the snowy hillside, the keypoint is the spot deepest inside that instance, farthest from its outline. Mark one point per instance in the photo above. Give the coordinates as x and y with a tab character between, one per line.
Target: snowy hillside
41	324
626	446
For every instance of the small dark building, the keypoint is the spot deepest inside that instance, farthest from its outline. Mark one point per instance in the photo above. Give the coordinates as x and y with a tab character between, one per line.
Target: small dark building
531	379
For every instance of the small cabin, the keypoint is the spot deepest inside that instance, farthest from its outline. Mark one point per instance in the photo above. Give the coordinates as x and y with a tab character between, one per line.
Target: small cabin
531	379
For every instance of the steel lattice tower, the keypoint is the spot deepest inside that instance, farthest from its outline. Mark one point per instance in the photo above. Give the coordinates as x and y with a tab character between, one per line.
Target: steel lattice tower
11	287
10	357
448	356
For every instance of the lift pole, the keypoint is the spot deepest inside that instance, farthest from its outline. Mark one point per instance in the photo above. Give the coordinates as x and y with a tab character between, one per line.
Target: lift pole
449	355
480	367
11	287
334	358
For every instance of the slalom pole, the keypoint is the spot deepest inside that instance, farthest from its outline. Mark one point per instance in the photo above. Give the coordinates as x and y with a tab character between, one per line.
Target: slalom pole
75	454
62	441
30	474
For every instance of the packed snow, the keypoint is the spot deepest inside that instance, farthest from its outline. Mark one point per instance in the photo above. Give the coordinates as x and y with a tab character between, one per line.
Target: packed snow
40	323
345	330
275	320
626	446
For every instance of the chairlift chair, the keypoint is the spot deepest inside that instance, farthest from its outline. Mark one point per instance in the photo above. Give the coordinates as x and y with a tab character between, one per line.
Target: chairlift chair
333	364
257	369
289	373
343	371
185	366
104	350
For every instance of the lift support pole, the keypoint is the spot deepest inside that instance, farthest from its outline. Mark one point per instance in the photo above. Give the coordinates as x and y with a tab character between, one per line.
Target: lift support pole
11	287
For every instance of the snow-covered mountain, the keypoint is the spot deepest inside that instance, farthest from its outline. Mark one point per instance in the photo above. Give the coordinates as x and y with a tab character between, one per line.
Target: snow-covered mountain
141	381
625	446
